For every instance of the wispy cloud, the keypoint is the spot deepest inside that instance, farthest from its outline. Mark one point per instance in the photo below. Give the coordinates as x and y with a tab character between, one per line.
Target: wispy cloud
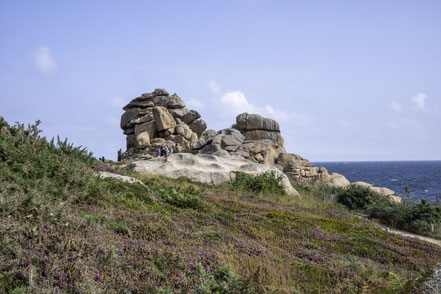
214	87
395	106
45	61
419	101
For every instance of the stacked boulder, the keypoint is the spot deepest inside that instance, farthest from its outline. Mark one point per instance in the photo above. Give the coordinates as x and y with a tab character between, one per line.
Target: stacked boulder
159	119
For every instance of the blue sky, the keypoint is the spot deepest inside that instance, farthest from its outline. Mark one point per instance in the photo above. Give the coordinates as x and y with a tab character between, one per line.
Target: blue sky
346	80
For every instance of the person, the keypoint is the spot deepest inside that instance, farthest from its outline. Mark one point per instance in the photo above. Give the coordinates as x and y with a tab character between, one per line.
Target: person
166	151
175	149
119	154
158	152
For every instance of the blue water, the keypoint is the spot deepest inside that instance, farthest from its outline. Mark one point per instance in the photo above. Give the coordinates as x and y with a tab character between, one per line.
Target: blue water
423	178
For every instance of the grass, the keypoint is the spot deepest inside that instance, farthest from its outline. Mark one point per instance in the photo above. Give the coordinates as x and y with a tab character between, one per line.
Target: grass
64	230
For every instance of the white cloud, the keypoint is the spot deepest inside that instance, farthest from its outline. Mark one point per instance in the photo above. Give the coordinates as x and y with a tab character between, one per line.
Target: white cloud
236	103
44	61
214	87
395	106
194	103
117	102
419	101
280	115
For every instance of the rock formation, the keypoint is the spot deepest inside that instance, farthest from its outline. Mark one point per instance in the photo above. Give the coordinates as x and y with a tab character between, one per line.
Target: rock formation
158	119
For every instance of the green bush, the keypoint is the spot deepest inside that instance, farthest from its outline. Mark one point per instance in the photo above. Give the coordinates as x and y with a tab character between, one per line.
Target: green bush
264	183
357	197
35	173
221	281
411	217
182	197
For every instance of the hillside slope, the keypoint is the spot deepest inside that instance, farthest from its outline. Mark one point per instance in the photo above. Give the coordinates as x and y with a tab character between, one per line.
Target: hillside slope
65	230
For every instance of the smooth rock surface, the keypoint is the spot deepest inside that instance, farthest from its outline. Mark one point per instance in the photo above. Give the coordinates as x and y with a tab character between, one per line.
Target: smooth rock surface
206	168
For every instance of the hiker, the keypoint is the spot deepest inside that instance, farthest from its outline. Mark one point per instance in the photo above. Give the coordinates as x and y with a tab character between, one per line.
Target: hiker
165	151
158	152
119	154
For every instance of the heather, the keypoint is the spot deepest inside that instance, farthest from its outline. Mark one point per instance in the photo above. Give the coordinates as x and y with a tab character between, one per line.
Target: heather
64	230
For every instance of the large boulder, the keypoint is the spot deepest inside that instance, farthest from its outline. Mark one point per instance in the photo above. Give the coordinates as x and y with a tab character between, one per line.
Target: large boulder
226	139
128	116
382	191
173	101
206	138
143	140
198	126
149	127
207	168
262	151
336	180
144	101
159	92
285	159
250	122
255	127
163	119
190	116
262	135
178	112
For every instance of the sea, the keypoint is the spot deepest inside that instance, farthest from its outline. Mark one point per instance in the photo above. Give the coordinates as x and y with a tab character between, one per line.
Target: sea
422	178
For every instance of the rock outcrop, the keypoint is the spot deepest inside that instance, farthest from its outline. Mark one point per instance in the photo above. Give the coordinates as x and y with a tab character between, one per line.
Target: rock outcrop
210	169
382	191
157	119
255	127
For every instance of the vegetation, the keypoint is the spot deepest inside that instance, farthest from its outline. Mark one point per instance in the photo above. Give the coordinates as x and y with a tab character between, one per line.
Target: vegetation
65	230
416	218
264	183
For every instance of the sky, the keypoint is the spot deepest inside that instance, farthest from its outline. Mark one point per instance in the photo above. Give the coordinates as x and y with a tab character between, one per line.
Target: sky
346	80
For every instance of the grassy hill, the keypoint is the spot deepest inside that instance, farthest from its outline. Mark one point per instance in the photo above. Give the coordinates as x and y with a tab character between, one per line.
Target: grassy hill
65	230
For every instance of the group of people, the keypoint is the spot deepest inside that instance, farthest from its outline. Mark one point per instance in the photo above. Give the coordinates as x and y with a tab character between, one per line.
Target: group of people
164	151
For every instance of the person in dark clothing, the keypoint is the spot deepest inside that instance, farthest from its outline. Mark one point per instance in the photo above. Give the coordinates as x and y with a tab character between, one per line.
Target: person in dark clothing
165	151
119	154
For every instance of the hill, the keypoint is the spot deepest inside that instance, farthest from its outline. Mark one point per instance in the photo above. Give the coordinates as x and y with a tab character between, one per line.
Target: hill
65	230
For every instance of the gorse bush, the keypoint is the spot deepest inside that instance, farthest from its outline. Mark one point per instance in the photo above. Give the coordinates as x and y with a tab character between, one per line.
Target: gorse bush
357	197
416	218
35	173
412	217
264	183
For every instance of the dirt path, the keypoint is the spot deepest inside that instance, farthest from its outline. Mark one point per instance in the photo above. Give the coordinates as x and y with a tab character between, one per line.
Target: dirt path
407	234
